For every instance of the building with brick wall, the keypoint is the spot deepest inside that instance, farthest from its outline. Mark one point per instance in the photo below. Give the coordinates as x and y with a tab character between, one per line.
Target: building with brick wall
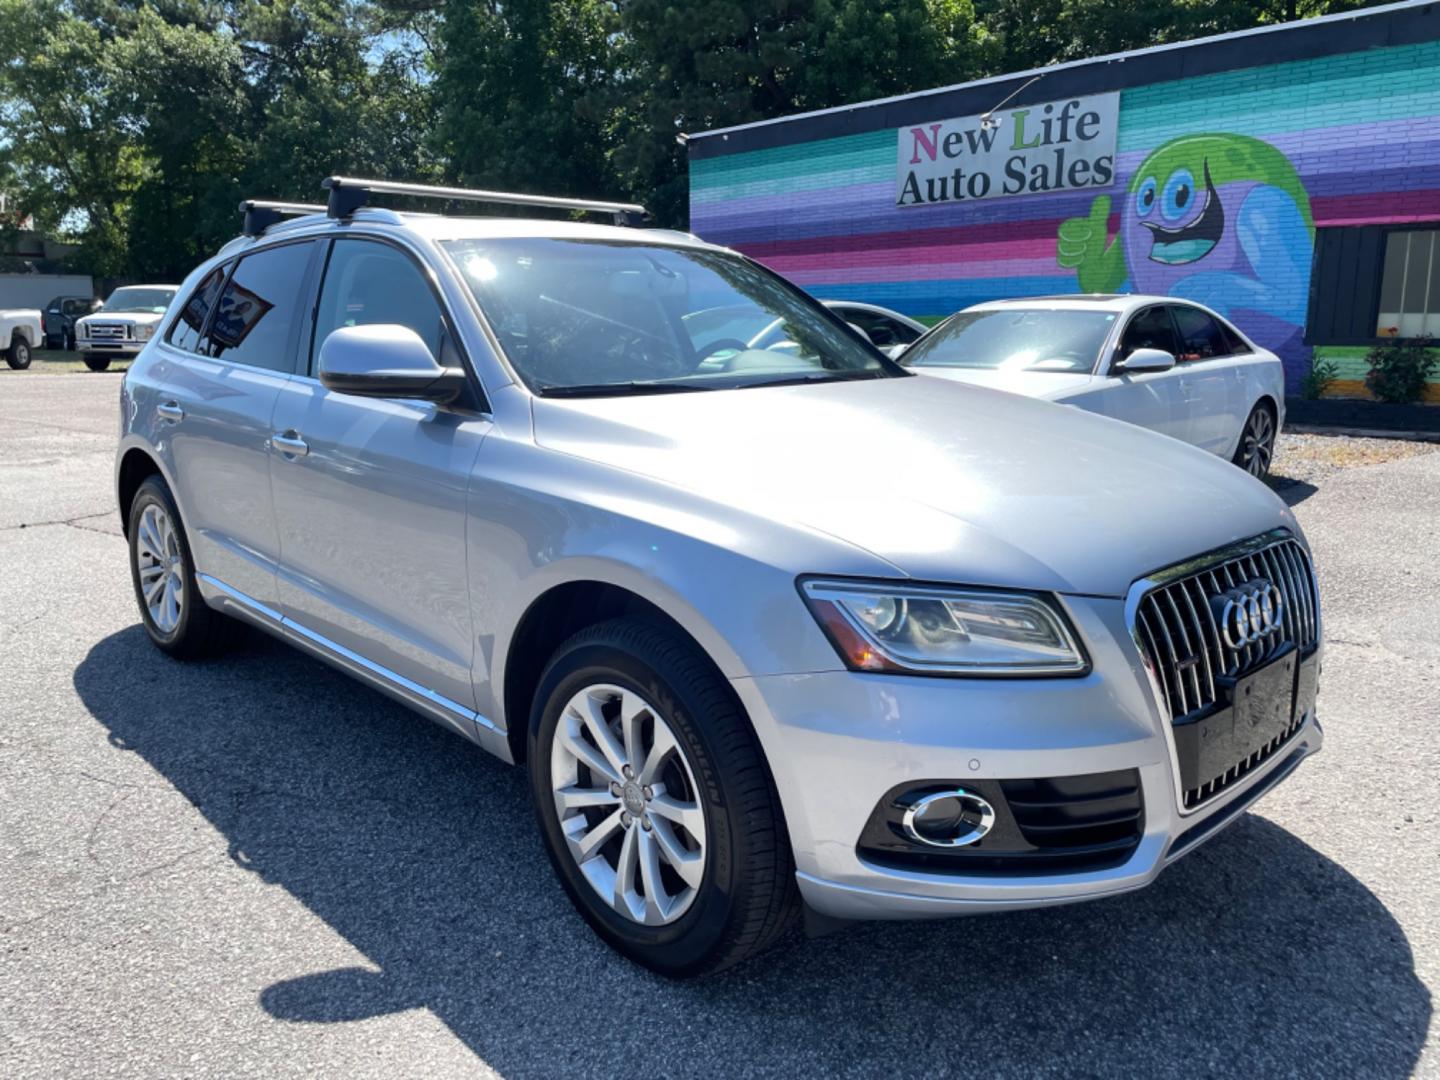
1288	177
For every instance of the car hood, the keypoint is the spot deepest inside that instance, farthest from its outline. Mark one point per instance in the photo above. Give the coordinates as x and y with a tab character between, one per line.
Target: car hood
1050	385
945	482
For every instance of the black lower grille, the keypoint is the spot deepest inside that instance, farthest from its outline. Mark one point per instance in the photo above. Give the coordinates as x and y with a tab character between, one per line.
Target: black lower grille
1059	824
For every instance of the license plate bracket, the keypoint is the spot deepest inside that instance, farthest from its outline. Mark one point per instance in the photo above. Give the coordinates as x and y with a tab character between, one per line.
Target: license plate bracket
1262	708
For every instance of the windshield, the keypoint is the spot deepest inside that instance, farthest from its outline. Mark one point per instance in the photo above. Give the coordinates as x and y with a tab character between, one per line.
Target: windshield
1015	339
593	317
135	298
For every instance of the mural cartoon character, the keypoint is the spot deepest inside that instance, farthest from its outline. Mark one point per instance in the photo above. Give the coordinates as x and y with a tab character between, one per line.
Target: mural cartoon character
1220	219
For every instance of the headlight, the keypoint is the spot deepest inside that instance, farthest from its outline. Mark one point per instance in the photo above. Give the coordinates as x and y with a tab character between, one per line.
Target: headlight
884	626
144	333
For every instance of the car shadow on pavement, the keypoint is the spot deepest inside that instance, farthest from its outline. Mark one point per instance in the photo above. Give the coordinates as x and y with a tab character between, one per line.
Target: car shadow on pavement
1255	955
1294	492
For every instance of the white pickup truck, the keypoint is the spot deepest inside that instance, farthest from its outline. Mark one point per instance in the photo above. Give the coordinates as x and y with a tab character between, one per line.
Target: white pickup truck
20	331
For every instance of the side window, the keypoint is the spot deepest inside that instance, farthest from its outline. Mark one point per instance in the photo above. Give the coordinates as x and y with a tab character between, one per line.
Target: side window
1238	345
882	330
1200	335
258	307
185	333
75	307
1150	329
368	283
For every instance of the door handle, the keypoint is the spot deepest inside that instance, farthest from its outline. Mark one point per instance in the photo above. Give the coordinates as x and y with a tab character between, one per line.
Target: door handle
171	411
290	444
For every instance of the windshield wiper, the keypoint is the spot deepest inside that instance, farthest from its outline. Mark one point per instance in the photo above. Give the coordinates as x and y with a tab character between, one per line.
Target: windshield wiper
636	386
832	376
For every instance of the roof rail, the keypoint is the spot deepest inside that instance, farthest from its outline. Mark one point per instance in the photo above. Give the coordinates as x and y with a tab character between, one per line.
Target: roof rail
347	194
260	214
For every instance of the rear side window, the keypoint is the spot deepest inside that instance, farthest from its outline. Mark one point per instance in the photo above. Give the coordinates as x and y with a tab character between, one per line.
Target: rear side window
1238	344
1200	336
880	329
185	334
368	283
1150	329
258	308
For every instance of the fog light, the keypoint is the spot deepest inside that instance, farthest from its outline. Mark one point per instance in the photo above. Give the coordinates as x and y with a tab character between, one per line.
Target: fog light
952	818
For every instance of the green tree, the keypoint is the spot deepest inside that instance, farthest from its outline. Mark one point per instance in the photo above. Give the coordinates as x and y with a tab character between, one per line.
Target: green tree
520	96
714	63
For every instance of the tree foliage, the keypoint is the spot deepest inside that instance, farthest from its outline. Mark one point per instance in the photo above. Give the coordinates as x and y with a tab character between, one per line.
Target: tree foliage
134	126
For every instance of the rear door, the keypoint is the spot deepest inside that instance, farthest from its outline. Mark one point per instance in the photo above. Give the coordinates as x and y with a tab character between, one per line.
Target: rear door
370	493
1150	399
218	378
1211	379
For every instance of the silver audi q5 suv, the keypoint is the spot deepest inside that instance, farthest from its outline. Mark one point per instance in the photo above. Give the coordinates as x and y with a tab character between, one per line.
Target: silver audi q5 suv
769	628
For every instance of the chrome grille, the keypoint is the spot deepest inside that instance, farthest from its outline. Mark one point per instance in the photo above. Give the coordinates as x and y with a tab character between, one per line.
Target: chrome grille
1184	647
1178	633
107	331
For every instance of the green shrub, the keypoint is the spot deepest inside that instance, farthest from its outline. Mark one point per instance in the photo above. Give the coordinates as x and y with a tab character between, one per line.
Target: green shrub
1399	370
1318	379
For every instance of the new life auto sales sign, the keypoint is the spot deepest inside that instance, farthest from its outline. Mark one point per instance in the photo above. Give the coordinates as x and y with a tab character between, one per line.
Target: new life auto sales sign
1023	150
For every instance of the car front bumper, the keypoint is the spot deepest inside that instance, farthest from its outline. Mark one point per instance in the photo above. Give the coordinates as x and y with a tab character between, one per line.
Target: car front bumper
109	346
839	741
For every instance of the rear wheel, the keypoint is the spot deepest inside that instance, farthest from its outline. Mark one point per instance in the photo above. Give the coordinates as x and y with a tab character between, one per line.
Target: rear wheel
18	355
656	806
1257	442
163	574
97	363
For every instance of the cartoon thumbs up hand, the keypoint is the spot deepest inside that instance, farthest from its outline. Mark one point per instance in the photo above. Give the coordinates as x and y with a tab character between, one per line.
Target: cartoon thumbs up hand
1081	247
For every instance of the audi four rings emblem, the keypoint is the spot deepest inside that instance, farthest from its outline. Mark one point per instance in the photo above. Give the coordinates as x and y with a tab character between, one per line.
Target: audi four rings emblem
1248	613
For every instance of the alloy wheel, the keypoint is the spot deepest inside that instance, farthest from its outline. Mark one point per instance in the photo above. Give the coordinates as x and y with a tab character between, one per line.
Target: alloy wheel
161	568
628	804
1258	442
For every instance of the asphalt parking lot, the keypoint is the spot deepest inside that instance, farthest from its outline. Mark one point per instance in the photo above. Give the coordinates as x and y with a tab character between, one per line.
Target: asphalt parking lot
256	866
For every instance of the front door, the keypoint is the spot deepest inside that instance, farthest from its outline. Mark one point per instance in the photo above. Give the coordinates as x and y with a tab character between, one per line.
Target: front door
370	493
1150	399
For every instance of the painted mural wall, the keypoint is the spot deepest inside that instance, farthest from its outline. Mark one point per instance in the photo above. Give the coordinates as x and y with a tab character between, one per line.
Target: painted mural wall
1221	182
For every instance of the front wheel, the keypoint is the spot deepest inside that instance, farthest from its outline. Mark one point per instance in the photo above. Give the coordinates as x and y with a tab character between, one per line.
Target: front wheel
18	355
1257	442
97	363
163	574
656	806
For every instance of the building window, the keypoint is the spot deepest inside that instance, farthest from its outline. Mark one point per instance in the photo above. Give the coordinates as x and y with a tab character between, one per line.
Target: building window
1410	285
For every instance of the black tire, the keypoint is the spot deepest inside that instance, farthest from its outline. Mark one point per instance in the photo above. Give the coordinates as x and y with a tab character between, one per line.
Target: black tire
18	355
97	363
1256	448
53	341
747	896
201	631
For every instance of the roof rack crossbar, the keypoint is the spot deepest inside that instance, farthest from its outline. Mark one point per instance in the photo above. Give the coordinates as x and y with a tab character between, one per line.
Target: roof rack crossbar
348	194
260	214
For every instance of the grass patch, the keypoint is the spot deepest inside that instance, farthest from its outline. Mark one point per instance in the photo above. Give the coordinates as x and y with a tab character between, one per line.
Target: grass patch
60	362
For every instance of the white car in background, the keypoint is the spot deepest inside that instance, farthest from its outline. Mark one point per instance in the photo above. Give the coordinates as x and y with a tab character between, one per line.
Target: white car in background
122	325
1169	365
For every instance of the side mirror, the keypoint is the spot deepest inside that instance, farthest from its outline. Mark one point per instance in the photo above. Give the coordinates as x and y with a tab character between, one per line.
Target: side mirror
1142	360
384	360
896	351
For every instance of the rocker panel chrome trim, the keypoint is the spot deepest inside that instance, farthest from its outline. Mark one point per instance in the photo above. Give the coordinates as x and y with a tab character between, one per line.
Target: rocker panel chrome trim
448	714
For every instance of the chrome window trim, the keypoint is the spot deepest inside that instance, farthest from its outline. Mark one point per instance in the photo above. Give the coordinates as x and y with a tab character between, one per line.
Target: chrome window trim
1165	576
